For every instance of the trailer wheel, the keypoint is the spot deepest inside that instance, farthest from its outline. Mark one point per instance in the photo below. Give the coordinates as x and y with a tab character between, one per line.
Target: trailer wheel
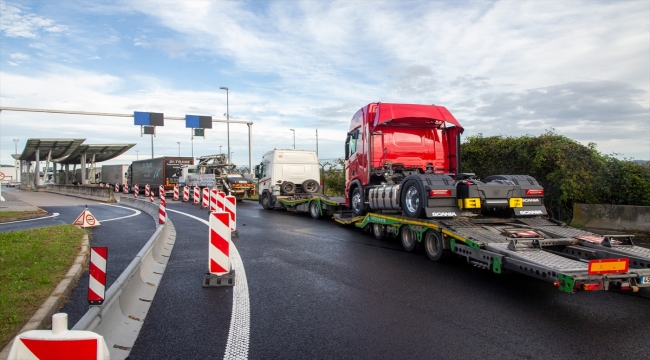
356	202
288	188
412	200
266	201
433	245
408	238
310	186
378	231
314	209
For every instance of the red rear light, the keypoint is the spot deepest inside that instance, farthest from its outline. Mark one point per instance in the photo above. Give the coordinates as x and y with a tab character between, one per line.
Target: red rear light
439	192
590	287
535	192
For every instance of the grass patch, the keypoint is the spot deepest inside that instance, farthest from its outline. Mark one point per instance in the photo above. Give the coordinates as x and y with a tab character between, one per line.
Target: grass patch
32	263
19	214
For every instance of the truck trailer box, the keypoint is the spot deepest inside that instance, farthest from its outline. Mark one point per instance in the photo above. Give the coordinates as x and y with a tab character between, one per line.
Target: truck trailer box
114	174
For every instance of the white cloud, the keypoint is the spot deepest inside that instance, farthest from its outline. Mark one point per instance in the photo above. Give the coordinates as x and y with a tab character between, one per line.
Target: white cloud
19	56
15	24
12	63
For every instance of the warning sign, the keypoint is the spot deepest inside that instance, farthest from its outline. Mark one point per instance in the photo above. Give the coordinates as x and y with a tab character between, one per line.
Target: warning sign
2	176
86	219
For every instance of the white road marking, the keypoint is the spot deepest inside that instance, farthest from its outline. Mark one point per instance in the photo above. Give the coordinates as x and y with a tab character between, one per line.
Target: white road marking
19	221
137	212
239	333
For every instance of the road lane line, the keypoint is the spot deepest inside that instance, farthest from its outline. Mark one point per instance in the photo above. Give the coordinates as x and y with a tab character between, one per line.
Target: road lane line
19	221
239	333
137	212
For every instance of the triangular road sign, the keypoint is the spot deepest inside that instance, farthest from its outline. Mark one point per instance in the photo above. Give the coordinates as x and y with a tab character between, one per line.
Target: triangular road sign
86	219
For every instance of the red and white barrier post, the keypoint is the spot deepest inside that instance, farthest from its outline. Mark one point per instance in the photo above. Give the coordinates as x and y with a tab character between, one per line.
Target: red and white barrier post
206	198
146	190
221	199
186	193
97	278
125	188
162	211
117	187
197	195
151	196
219	271
161	191
213	200
59	343
175	193
230	206
136	191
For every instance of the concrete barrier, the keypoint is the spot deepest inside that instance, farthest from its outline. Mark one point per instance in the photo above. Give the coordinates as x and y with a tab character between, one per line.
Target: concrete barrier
92	192
128	300
626	218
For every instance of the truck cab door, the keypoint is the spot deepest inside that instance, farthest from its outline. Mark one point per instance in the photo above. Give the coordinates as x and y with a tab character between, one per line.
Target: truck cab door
351	157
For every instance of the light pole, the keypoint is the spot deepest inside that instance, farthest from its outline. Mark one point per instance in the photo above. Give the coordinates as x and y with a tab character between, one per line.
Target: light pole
220	149
16	164
227	117
294	138
137	156
179	148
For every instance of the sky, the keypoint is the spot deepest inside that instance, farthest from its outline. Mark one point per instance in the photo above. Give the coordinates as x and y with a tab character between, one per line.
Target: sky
579	68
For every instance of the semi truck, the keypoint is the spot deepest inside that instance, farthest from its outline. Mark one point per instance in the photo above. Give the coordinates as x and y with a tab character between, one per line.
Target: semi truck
216	172
155	172
403	179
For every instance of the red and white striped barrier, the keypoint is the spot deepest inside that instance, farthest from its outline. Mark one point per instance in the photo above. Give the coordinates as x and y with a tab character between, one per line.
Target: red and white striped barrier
117	187
219	247
186	193
206	198
151	197
136	191
230	206
97	278
197	195
59	343
125	189
214	200
161	191
146	190
101	184
221	200
162	211
175	197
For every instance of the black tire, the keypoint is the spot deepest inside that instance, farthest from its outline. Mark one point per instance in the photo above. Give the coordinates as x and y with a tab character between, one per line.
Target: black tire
357	202
434	245
288	188
314	209
413	200
378	231
408	238
310	186
265	200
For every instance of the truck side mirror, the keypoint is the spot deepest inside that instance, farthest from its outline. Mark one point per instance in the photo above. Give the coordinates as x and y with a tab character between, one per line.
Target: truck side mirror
257	171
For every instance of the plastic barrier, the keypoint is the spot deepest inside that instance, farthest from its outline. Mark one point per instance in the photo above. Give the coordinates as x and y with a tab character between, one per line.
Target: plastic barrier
197	195
125	189
231	208
162	211
213	200
97	278
128	300
117	187
84	191
175	198
147	188
161	191
221	200
59	343
186	193
136	191
206	198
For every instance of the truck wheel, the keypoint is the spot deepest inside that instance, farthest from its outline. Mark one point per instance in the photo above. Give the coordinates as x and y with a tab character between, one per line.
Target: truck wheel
433	245
288	188
356	202
314	209
408	238
378	231
266	201
412	200
310	186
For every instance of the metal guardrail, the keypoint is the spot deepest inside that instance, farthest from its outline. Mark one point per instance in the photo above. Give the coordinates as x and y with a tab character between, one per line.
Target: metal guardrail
121	316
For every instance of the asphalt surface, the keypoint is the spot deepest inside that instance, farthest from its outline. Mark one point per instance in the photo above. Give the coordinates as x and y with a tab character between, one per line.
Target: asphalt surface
322	290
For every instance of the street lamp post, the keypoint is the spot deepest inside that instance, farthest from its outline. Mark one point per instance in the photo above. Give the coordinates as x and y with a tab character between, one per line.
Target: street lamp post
220	149
179	148
227	118
294	138
137	156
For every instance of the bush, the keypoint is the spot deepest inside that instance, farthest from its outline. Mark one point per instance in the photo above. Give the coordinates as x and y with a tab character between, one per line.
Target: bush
333	176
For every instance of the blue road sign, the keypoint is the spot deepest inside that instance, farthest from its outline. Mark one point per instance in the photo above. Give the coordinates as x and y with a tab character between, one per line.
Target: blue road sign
196	121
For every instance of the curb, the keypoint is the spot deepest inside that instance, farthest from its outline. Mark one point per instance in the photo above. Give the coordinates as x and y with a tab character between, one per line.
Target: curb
53	303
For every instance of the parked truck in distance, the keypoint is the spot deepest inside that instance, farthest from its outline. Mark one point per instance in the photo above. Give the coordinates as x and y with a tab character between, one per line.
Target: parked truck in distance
114	174
216	172
155	172
403	180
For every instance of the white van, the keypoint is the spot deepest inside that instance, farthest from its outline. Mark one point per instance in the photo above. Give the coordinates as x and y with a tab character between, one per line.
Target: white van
288	172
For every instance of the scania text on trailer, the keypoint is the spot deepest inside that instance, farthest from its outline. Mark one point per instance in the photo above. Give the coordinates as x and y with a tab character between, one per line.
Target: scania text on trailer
156	172
403	179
